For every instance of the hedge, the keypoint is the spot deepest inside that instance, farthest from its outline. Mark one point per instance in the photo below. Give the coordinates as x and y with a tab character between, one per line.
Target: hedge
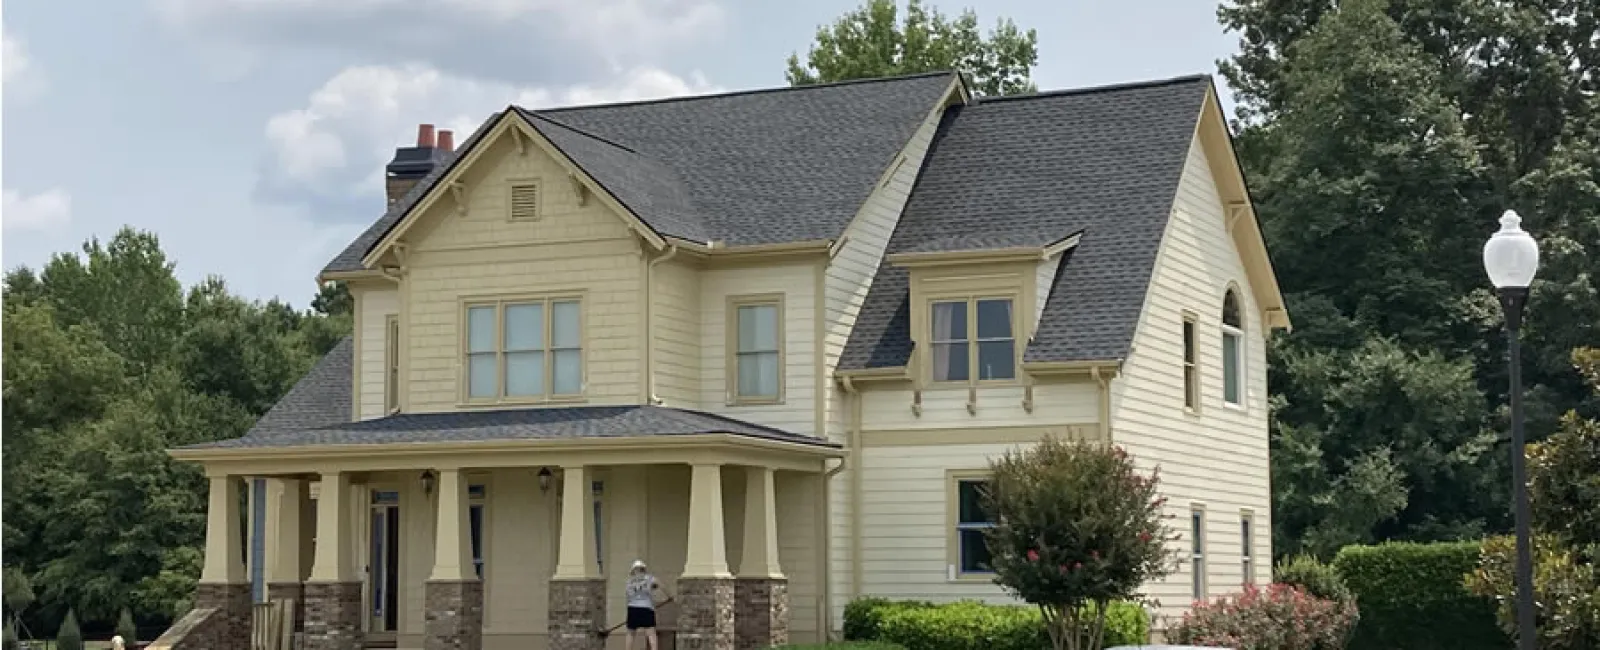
848	645
972	625
1414	597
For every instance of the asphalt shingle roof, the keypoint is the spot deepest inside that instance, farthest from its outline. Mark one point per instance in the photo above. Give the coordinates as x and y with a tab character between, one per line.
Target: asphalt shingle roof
1031	170
518	424
321	398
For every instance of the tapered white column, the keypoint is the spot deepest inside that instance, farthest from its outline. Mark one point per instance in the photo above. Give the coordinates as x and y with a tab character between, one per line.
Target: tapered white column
224	546
332	561
452	545
760	557
707	555
576	560
283	530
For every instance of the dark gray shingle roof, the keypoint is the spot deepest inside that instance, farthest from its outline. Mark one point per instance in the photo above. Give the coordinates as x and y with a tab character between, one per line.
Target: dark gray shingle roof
519	424
1103	162
755	167
321	398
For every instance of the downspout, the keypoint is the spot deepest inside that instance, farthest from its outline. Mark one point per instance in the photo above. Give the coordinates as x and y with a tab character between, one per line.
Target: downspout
649	330
825	611
1105	401
853	433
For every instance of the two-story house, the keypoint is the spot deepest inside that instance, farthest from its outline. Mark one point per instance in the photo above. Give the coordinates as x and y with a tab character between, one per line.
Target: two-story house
764	341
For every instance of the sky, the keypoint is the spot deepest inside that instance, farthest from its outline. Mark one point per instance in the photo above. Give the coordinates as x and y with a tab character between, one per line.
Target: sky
250	135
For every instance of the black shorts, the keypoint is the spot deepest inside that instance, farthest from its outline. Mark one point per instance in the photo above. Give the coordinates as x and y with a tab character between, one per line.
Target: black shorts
641	618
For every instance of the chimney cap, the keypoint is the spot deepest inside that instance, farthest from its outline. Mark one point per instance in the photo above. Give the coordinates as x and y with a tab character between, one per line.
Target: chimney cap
447	140
425	135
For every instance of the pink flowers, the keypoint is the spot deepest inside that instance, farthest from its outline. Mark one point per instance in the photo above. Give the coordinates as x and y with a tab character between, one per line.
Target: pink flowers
1282	616
1144	536
1033	556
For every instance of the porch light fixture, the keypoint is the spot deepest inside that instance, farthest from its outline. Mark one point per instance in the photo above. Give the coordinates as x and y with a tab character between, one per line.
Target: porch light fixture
544	479
427	482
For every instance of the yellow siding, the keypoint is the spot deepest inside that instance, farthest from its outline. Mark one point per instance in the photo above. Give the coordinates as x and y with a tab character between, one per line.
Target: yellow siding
376	306
797	283
569	248
1056	403
1218	457
1043	279
675	324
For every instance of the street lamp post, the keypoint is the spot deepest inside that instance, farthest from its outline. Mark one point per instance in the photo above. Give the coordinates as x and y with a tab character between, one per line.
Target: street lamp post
1511	257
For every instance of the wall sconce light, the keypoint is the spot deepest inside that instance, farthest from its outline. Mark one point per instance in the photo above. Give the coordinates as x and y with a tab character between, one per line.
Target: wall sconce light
427	482
597	488
544	479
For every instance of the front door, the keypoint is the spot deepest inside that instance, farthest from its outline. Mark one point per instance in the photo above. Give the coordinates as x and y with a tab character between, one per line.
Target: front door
383	565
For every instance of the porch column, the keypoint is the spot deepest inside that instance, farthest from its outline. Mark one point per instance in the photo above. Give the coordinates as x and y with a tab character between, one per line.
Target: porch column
761	591
706	589
223	584
453	592
333	592
284	497
577	592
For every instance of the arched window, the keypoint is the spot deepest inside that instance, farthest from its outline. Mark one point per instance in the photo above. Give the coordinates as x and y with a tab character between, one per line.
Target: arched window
1232	350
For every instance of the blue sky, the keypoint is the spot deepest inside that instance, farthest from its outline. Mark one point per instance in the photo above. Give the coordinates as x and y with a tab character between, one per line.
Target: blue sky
250	135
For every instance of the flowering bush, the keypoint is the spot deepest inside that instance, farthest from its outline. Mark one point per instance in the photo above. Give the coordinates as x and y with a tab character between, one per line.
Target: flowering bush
1281	617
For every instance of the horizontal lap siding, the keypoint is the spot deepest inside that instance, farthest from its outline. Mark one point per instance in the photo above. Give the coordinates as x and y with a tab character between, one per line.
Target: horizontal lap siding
1054	404
798	284
675	324
1218	457
376	306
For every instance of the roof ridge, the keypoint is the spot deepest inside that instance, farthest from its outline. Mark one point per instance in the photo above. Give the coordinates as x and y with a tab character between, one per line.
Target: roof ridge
593	136
1088	90
740	93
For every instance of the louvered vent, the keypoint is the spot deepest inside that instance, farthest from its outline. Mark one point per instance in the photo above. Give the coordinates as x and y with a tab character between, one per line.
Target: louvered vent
524	202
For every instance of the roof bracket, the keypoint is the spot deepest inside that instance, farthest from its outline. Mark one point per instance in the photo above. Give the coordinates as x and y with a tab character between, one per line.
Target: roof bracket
1027	394
520	139
458	192
1236	210
579	189
972	400
916	402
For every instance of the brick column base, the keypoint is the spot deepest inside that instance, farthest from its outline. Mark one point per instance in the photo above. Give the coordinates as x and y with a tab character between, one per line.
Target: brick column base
333	616
290	591
454	615
705	614
761	616
577	614
230	626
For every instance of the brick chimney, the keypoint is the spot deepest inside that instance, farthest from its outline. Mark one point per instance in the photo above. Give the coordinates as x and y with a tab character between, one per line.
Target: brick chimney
410	164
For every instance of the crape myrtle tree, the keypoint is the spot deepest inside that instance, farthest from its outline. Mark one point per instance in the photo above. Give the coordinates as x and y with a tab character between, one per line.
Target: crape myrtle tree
1077	528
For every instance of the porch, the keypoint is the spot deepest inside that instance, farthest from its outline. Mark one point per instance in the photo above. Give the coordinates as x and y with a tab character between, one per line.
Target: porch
525	543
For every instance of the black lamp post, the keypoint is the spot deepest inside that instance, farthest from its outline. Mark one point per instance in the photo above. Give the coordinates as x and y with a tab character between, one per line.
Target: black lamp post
1511	257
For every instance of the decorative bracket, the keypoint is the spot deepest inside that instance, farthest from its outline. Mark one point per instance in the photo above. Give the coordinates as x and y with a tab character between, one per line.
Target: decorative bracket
972	400
579	189
1027	394
520	138
1236	211
458	192
916	402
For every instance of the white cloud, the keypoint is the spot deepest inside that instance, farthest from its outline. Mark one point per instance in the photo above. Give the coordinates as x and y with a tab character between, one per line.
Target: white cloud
335	146
46	210
13	57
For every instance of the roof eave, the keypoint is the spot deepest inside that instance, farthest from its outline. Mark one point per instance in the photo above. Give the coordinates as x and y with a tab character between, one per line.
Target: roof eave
335	452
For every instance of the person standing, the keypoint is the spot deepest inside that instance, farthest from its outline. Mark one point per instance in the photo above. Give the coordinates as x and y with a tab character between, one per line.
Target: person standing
640	591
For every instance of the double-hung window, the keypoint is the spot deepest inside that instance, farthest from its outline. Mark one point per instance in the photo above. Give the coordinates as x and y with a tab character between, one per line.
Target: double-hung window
524	349
972	522
756	345
1246	543
1191	364
391	352
1232	350
1197	551
973	338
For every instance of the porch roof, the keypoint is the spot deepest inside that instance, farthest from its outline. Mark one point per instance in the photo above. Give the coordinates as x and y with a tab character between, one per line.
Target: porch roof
550	423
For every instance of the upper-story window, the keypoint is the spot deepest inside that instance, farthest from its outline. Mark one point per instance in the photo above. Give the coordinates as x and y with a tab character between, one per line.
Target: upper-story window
524	349
756	345
1232	350
973	338
391	362
1191	363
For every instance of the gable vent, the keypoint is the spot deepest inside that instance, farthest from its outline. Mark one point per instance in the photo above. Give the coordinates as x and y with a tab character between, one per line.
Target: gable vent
524	202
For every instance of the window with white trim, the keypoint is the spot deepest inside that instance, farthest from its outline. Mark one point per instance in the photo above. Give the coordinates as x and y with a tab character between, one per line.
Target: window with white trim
391	379
1246	542
524	349
1232	350
1191	364
1197	551
972	522
757	344
973	338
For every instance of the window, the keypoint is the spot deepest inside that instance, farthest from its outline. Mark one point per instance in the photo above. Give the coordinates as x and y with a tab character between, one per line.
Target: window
1191	364
524	349
973	337
1248	570
391	378
475	499
972	550
1232	350
524	202
756	375
1197	552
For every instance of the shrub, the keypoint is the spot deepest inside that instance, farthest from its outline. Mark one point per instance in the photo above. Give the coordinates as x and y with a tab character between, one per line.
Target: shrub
125	627
69	637
9	641
1312	576
1414	596
971	625
848	645
1078	528
1566	591
1281	617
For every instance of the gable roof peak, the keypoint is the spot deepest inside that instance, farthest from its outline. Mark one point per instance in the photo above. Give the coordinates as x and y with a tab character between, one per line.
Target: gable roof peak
1090	90
738	93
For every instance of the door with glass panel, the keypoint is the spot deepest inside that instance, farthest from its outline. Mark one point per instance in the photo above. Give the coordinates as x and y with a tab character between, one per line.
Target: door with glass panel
383	563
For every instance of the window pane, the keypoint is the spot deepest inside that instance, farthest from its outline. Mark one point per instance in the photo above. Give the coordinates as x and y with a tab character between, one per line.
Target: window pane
1196	531
1188	341
996	360
476	514
524	374
994	319
758	328
758	374
480	329
1230	368
950	362
1230	310
525	327
950	321
1244	535
1199	578
480	375
564	323
971	509
567	366
974	552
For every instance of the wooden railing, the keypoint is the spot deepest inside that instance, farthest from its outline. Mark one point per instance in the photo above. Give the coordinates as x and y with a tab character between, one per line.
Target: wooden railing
272	625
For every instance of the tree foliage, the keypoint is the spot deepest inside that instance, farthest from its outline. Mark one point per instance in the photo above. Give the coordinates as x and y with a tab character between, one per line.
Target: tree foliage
872	41
109	363
1078	528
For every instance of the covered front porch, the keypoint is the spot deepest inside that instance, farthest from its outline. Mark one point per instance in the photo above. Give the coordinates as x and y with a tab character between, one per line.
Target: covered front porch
523	543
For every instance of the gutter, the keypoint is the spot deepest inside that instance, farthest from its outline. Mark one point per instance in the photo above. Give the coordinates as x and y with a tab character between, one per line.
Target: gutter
649	336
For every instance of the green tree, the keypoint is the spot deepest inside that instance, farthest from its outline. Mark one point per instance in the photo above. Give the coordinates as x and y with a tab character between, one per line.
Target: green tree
871	41
69	637
126	629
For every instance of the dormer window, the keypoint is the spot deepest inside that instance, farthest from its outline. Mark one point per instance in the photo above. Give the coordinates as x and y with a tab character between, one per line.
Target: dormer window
973	338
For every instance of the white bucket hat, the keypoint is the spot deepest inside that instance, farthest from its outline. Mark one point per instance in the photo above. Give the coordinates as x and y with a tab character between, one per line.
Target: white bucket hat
638	565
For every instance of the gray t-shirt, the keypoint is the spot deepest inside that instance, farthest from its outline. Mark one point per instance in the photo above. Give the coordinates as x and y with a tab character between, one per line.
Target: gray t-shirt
639	589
